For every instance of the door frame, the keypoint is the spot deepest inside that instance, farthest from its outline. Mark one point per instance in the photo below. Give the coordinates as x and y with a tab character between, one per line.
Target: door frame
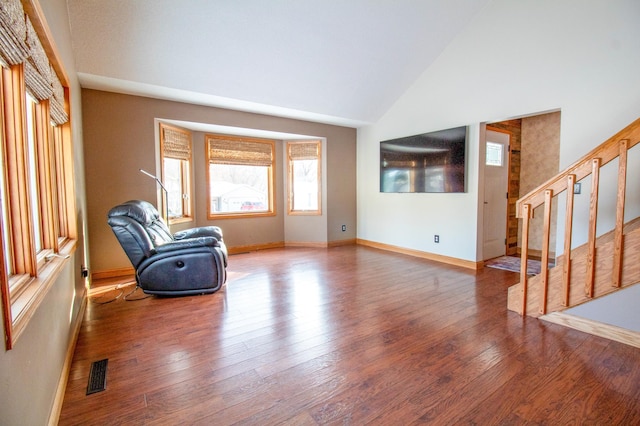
507	159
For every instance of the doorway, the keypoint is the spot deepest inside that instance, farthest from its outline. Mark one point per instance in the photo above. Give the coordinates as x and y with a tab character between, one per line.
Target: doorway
533	158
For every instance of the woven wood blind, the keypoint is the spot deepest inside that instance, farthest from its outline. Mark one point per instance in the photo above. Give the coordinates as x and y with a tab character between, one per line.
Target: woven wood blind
19	44
37	71
304	150
238	151
58	113
13	33
176	143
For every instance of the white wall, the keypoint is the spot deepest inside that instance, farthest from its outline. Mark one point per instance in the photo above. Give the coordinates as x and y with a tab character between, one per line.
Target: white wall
625	314
516	58
412	220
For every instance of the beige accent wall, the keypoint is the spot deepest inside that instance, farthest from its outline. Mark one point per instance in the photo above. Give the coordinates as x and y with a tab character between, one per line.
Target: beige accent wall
120	139
540	161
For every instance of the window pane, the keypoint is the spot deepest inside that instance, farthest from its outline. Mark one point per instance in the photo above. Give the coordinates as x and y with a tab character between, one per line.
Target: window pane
175	145
173	183
305	184
238	189
33	174
6	240
63	228
494	154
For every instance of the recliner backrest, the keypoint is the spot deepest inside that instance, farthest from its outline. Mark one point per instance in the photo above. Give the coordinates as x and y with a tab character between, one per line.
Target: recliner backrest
139	229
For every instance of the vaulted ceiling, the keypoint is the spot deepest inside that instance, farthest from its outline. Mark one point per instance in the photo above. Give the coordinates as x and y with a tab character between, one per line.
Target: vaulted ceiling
337	61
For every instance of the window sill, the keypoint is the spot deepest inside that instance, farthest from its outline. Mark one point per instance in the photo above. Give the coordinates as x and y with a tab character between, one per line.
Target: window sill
237	215
25	305
304	213
177	220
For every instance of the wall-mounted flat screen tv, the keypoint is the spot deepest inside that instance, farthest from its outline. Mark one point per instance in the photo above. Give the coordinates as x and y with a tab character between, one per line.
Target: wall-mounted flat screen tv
429	162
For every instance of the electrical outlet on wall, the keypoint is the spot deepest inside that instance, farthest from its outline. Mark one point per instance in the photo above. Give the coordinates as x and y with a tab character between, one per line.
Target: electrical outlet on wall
436	238
344	228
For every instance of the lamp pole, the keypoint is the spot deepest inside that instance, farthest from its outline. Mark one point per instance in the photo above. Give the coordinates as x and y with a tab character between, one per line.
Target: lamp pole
166	194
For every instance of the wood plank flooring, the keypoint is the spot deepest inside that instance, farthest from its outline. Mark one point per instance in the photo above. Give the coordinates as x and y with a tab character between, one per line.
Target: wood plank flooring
349	335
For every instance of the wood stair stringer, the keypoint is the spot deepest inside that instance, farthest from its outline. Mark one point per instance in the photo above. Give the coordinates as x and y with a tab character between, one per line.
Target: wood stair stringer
603	271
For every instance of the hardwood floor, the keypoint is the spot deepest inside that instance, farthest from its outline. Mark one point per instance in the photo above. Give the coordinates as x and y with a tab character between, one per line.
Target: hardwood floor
348	335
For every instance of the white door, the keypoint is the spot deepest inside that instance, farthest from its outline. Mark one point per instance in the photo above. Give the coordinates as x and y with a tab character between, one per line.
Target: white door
496	185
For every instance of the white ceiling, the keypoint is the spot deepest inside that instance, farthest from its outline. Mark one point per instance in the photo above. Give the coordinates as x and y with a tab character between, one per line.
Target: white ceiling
336	61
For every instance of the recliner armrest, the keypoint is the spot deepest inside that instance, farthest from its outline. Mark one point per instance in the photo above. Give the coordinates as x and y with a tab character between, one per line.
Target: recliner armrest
187	243
203	231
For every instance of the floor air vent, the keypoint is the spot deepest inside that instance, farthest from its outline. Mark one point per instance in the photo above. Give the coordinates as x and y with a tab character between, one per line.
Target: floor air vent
97	377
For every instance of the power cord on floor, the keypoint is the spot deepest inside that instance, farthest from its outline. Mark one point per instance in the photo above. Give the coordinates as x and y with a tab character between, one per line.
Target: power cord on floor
120	287
136	299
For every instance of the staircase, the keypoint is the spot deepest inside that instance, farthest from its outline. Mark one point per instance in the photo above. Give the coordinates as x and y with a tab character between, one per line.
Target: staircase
603	264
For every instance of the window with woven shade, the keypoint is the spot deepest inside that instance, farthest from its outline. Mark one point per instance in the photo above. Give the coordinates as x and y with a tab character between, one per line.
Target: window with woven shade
240	176
37	194
304	177
175	151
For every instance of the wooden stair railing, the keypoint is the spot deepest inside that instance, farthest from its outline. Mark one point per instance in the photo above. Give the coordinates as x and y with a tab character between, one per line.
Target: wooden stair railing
614	147
603	276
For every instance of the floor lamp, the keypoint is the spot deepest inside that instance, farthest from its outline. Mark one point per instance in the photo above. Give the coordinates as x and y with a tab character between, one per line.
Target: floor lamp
165	193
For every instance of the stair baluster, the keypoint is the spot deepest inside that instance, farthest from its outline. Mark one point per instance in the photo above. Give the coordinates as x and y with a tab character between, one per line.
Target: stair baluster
593	221
524	255
616	274
568	230
544	261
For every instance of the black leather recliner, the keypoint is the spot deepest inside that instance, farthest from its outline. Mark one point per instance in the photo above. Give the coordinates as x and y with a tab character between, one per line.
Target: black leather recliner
188	262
